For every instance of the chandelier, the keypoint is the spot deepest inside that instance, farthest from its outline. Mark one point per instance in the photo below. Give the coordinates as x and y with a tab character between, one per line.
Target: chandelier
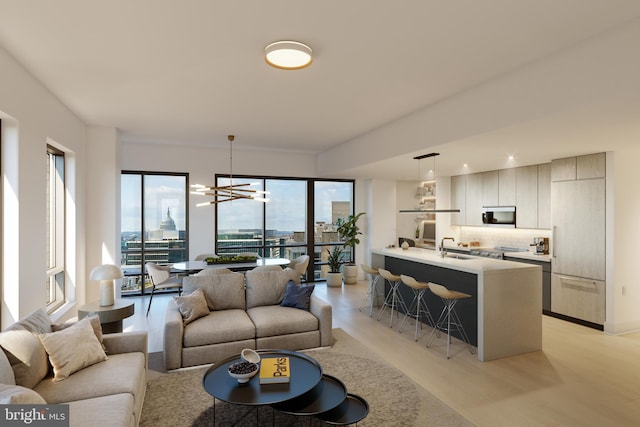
421	189
227	193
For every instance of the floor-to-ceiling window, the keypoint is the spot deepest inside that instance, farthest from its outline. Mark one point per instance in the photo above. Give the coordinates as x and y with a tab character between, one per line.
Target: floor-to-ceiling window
55	228
298	219
154	224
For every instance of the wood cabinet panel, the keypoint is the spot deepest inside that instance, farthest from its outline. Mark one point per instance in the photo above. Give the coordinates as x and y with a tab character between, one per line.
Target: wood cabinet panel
458	199
563	169
527	197
507	187
578	298
591	166
490	188
474	199
544	195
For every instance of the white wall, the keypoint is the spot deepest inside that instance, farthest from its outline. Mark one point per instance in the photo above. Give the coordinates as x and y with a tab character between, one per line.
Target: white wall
34	117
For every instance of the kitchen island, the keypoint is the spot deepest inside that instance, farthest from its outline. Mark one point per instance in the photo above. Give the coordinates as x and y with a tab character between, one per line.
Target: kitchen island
504	315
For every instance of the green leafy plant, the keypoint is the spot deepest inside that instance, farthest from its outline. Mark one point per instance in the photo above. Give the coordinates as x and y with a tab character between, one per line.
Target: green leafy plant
333	259
349	230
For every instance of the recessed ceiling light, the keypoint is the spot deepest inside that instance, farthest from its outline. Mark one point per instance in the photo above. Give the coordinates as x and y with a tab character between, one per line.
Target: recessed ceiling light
510	157
288	55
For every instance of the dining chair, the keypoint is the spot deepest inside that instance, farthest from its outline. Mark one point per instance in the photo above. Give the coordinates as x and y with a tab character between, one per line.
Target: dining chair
161	278
300	264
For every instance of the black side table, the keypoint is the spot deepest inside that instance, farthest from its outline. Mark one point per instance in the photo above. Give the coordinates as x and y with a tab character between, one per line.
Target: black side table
111	316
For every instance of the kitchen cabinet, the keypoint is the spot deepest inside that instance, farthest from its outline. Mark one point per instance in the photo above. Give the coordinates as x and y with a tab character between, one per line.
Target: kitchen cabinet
544	195
527	197
474	199
579	228
546	280
590	166
490	188
458	199
578	298
563	169
507	187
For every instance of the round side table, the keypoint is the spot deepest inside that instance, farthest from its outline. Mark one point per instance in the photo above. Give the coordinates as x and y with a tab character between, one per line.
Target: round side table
110	315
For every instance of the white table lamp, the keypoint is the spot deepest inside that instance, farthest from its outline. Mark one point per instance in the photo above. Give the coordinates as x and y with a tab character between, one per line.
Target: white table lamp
106	274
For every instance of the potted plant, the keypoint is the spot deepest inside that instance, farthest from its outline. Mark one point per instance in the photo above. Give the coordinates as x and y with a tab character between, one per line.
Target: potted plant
334	277
349	231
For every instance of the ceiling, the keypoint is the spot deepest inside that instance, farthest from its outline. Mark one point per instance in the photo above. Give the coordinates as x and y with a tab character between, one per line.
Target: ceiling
192	72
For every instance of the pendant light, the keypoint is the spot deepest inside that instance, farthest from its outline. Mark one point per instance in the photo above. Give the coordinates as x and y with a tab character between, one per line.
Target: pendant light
229	192
423	211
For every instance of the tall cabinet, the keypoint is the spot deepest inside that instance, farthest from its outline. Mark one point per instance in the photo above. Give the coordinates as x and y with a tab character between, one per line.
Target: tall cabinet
578	219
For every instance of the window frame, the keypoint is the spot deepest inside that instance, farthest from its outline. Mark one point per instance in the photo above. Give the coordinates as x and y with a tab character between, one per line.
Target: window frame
56	228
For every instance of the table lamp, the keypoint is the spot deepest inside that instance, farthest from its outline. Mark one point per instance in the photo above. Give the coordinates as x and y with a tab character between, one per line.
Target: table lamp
106	274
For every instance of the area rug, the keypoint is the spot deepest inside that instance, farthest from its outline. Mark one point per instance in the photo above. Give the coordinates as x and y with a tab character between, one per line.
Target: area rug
178	399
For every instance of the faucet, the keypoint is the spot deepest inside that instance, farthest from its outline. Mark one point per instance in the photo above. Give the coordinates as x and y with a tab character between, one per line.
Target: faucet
443	251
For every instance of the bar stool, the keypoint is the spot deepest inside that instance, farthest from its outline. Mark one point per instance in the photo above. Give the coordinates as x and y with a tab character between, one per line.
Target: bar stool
393	298
373	291
448	315
418	306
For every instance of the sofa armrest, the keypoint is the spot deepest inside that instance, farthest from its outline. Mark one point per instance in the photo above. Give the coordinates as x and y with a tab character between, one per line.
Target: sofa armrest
322	310
127	342
173	336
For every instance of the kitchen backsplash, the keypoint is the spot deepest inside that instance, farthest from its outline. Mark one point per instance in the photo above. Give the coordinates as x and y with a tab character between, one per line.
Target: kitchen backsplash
506	237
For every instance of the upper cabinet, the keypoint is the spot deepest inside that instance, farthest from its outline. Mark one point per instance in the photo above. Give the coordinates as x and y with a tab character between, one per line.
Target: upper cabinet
526	196
458	199
490	188
544	195
474	199
507	191
563	169
591	166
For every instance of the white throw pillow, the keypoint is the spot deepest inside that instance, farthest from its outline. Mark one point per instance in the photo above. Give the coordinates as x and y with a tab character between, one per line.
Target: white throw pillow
192	306
72	349
18	395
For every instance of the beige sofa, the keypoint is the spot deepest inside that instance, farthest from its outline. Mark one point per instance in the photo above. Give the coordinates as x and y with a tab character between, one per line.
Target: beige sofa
107	393
244	312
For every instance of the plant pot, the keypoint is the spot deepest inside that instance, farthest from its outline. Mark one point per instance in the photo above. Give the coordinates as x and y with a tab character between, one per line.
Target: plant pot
350	274
334	279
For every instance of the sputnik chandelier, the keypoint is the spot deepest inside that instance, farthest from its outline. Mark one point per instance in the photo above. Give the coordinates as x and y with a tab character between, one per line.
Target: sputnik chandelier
227	193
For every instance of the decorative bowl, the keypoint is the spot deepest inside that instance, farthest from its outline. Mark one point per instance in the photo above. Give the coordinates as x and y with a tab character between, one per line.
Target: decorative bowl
251	356
243	371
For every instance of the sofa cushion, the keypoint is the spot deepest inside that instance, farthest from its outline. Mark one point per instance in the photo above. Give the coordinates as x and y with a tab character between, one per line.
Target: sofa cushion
297	296
120	373
192	306
219	327
276	320
18	395
26	355
267	287
37	322
95	324
107	411
72	349
222	291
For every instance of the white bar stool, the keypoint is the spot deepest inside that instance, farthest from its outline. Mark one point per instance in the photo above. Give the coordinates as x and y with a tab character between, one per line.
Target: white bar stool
418	306
448	315
373	292
393	299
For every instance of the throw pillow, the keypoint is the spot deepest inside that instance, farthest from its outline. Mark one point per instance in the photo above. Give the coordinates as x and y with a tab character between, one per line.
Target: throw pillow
18	395
192	306
72	349
297	296
26	355
95	324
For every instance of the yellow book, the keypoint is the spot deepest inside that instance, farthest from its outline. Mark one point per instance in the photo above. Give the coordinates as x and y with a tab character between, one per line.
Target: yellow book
274	370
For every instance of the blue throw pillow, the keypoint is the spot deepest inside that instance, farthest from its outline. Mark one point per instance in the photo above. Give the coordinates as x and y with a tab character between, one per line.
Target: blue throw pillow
297	296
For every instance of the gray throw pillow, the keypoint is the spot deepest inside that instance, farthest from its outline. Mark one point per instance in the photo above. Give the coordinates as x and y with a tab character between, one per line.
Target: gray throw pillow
297	296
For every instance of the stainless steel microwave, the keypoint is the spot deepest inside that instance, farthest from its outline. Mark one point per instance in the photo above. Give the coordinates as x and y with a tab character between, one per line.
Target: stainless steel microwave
499	216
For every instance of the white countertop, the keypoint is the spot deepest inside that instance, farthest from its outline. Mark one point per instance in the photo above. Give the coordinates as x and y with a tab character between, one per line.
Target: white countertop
475	265
529	255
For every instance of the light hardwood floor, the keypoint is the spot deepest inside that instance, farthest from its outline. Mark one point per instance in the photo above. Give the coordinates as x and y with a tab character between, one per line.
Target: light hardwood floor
582	377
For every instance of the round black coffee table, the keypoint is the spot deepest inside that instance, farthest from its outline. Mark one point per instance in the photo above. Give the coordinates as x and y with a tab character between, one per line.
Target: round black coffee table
306	373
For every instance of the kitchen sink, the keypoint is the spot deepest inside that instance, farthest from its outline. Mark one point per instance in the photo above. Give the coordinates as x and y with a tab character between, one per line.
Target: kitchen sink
458	256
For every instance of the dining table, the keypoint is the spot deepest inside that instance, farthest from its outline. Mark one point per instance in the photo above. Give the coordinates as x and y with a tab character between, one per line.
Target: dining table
191	267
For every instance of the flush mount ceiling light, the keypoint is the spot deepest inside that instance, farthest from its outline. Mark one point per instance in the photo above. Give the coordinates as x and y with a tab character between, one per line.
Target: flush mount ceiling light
227	193
422	211
288	55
